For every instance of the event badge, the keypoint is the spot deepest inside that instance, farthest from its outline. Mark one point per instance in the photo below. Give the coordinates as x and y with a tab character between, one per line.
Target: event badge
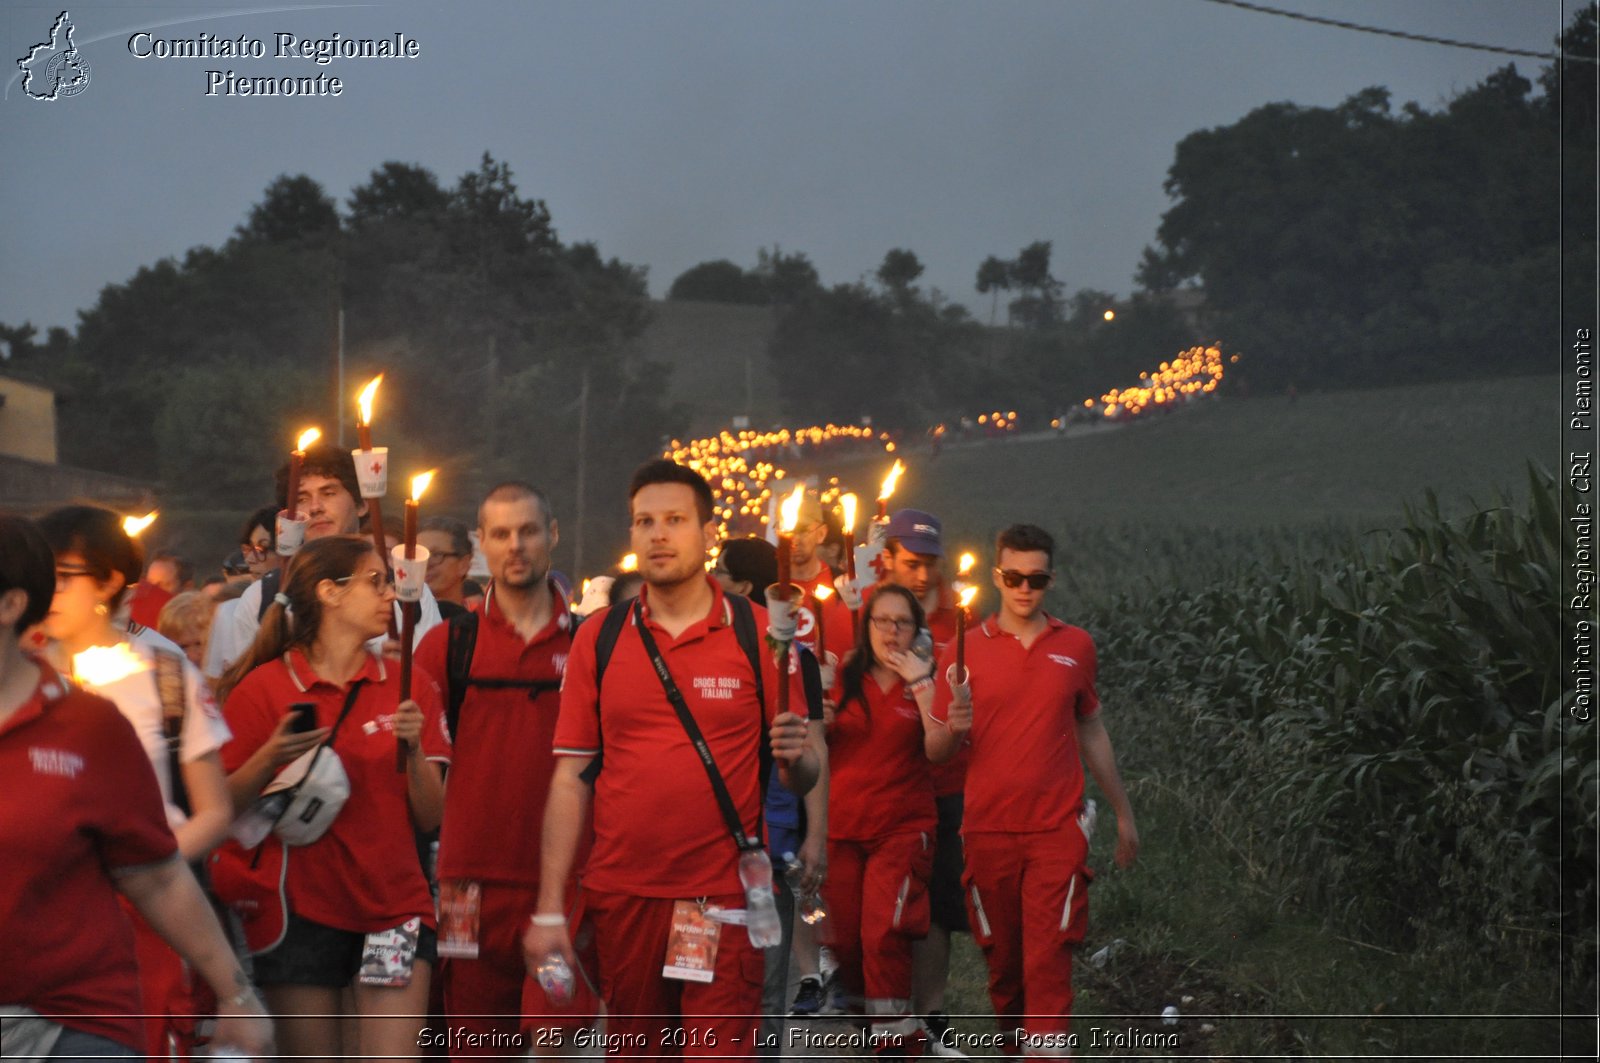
460	902
692	945
389	955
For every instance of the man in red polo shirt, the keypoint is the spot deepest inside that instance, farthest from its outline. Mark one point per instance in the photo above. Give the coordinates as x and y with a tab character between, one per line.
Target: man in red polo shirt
662	886
913	551
1029	711
513	651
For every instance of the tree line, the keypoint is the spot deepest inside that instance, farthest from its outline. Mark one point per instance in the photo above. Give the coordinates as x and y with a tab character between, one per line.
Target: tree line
497	339
1343	246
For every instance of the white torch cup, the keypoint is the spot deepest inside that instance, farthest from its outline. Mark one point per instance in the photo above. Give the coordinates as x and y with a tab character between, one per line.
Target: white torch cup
781	617
372	471
409	573
291	533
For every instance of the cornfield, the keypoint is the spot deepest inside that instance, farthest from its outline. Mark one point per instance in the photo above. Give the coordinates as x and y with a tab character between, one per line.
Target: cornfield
1382	722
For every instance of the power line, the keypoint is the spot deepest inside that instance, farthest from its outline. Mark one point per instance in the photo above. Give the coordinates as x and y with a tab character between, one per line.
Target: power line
1401	34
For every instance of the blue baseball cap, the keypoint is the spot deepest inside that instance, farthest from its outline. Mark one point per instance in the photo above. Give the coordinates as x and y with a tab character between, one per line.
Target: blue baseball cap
917	531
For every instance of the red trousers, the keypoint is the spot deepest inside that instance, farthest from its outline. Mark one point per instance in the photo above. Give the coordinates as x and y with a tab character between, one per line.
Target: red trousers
1028	901
877	893
492	996
652	1016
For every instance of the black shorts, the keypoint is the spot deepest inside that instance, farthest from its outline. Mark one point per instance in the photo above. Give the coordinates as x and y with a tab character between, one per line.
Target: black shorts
947	907
314	954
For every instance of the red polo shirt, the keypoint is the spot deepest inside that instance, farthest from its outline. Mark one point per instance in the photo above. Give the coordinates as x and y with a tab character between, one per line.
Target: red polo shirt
657	828
836	626
951	776
878	780
79	802
363	874
501	763
1026	774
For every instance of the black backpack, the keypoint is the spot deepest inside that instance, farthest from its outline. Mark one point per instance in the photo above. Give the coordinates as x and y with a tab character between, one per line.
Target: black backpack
462	640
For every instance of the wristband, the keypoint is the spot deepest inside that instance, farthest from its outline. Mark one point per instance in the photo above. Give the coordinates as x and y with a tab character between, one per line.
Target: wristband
556	919
919	685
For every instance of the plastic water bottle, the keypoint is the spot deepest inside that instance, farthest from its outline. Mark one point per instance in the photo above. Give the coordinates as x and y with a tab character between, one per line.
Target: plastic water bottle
810	907
555	977
761	908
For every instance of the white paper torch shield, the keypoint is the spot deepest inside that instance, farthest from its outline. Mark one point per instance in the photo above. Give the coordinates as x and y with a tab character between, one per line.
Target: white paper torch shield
372	471
291	533
409	573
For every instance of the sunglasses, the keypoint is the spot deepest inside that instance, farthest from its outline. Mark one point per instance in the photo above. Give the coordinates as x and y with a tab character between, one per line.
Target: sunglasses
1037	581
380	581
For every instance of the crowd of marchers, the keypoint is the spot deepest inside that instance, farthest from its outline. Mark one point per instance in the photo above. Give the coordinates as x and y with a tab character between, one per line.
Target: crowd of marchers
672	815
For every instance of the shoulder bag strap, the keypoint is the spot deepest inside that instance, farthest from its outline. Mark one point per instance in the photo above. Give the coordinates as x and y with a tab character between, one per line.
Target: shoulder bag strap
730	815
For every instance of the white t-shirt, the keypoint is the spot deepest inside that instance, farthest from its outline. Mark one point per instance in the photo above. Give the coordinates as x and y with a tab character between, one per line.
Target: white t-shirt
232	634
139	698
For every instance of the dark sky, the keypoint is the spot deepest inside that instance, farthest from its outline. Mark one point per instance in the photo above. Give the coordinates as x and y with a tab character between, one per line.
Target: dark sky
672	132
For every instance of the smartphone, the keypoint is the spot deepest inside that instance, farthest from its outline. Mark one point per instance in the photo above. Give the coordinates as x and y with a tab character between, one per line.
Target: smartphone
305	717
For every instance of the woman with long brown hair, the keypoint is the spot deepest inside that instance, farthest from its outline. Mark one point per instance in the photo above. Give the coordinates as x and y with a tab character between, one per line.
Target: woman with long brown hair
881	813
360	911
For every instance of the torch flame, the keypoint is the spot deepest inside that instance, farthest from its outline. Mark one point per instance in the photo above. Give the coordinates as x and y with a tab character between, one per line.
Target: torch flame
789	511
967	596
822	593
848	502
967	561
308	437
134	525
419	484
891	480
100	666
364	401
630	563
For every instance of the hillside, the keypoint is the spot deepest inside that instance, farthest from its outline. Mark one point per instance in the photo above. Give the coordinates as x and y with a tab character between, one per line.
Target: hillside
1351	457
711	347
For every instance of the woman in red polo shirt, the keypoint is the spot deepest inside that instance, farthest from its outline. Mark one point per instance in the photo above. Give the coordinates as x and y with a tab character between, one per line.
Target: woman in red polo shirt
881	813
356	894
82	823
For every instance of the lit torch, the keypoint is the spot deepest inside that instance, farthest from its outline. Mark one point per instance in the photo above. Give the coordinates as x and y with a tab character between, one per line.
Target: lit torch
296	457
629	563
132	526
967	593
101	666
889	483
409	610
365	455
820	596
961	633
789	515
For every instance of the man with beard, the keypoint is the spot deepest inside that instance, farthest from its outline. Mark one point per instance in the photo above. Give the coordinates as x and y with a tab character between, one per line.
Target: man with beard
500	666
679	973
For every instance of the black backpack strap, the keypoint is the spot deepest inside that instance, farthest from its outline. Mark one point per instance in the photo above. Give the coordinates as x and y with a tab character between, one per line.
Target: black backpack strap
744	629
605	642
460	641
271	583
174	696
719	788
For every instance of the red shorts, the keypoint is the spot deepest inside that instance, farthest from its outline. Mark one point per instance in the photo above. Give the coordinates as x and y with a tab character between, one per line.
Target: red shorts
650	1016
491	1000
1028	901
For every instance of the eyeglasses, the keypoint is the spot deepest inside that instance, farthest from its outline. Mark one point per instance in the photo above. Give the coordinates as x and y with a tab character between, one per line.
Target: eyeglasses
890	625
380	581
440	555
253	552
67	572
1037	581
